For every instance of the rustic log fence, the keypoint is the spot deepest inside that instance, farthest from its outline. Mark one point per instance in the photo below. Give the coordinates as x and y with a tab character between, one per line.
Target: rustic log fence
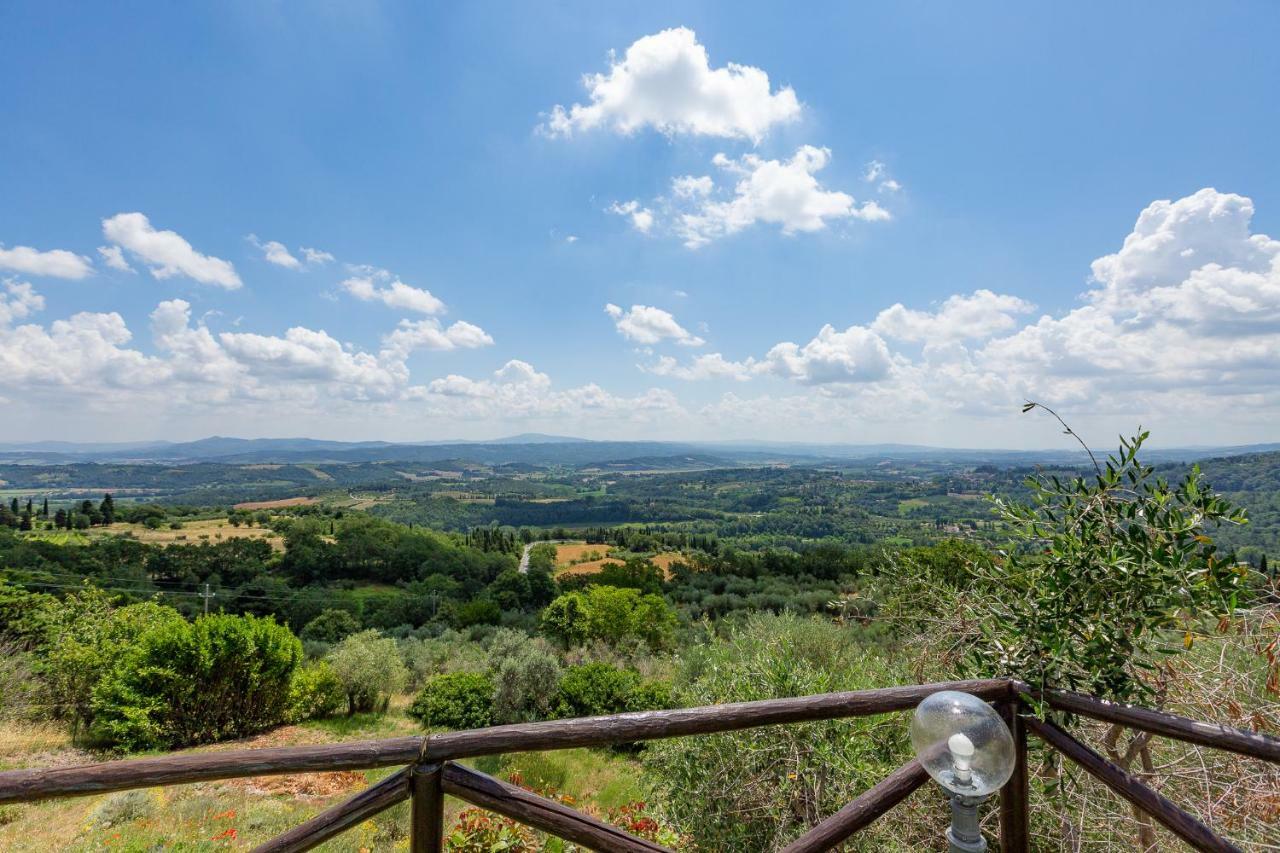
429	772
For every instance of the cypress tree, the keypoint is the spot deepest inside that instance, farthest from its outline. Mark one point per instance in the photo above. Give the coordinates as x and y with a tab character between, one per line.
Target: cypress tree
108	509
13	506
44	511
60	519
25	524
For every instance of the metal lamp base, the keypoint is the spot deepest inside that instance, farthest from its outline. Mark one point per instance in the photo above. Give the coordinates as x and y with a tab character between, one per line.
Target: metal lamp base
965	836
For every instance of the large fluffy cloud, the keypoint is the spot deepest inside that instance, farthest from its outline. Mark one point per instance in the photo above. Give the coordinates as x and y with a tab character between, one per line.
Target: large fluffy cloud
428	334
55	263
647	325
856	355
979	315
665	81
167	253
785	193
1183	318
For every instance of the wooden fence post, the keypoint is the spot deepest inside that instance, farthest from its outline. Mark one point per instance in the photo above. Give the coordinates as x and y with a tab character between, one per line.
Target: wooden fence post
426	829
1015	814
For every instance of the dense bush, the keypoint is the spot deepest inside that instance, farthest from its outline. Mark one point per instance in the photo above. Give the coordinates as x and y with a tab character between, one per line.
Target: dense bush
370	669
86	639
458	700
450	652
315	692
525	685
598	688
759	788
611	614
186	683
330	626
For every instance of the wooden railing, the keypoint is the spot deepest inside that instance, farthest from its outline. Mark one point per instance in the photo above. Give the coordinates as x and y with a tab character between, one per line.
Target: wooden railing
429	771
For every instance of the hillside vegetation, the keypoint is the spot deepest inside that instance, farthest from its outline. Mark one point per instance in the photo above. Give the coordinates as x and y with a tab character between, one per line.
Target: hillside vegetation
326	621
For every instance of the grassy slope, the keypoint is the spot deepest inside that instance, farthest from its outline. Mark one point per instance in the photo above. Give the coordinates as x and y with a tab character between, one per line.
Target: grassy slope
202	816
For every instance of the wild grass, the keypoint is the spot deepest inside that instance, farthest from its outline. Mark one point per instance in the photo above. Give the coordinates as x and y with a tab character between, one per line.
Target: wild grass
239	814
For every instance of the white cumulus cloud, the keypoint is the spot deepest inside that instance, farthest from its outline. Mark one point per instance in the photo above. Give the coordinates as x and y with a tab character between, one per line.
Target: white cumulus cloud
275	252
786	193
856	355
316	256
167	253
18	301
665	81
113	257
393	293
641	217
980	314
428	334
55	263
645	324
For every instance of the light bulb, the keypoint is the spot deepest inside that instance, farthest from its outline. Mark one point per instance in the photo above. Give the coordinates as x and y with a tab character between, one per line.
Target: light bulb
961	757
962	743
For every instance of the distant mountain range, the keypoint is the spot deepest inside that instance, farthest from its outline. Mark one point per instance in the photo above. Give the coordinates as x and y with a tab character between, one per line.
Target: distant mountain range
539	449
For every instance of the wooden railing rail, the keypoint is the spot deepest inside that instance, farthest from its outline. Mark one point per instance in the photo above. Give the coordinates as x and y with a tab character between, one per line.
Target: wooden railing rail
539	812
428	771
18	786
336	820
863	811
1182	824
1213	735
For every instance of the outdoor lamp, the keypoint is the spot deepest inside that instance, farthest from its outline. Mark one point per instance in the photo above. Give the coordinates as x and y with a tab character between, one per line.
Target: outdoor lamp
964	745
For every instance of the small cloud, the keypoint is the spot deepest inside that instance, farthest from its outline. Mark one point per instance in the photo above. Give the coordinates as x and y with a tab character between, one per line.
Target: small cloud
56	263
113	257
572	238
315	257
641	217
645	324
276	253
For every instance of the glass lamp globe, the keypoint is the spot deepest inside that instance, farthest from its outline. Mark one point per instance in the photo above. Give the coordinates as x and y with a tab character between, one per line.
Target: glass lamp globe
962	743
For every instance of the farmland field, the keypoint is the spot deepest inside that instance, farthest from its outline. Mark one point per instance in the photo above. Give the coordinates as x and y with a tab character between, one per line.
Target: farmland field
280	504
574	552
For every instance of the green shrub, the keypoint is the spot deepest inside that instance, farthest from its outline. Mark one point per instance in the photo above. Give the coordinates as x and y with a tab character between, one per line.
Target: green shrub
86	638
124	807
315	692
650	696
612	614
458	700
525	685
187	683
369	667
478	611
757	789
450	652
330	626
595	688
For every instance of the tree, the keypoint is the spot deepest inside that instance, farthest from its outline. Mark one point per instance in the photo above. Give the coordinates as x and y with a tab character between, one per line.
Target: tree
1105	577
44	510
370	669
13	507
25	523
610	614
186	683
330	626
108	509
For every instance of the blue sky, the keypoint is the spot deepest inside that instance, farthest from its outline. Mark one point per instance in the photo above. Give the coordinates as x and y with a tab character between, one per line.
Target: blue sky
967	164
